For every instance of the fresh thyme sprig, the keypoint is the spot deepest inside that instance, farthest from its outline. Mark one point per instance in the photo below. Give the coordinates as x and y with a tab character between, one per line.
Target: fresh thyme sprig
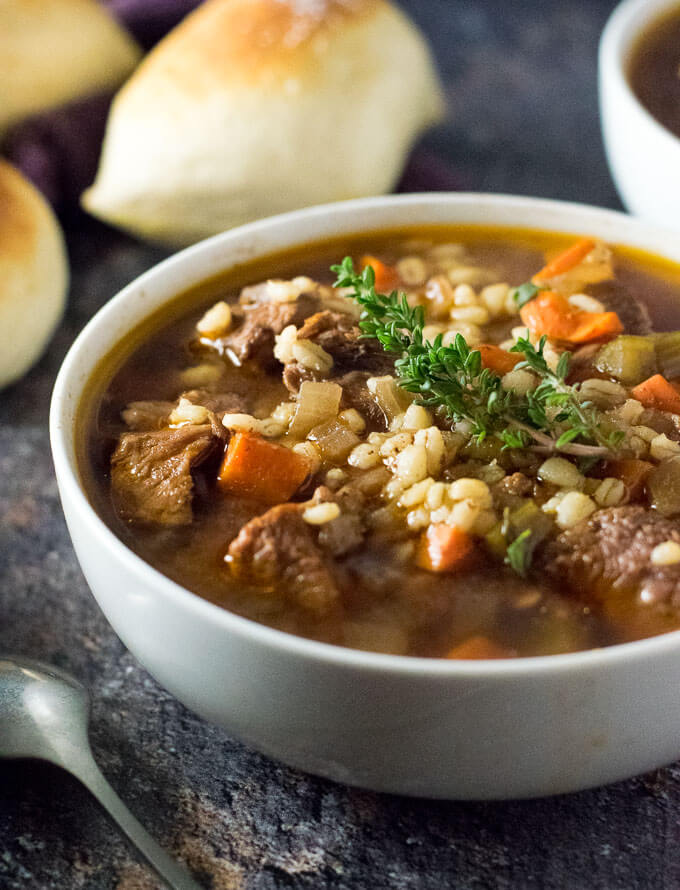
451	379
555	403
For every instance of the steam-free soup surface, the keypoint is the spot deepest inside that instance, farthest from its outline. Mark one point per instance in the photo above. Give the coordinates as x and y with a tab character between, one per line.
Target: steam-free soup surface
255	446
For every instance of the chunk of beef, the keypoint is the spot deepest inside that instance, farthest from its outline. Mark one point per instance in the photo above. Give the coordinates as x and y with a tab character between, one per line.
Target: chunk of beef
346	532
279	550
633	313
507	492
147	416
151	477
339	334
254	339
355	394
611	551
661	421
516	485
295	374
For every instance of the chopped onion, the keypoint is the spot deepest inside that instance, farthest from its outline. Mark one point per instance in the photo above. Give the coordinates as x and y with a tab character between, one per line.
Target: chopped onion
334	440
392	399
317	402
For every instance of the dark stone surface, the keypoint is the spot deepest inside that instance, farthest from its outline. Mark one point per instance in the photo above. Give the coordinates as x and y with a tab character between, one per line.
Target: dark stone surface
521	81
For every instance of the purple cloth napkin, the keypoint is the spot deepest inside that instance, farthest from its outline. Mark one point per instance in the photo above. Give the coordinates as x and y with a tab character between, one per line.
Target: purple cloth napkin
149	20
59	150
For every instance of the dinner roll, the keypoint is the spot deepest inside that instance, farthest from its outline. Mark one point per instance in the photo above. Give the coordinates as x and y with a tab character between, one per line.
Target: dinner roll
33	274
252	107
52	51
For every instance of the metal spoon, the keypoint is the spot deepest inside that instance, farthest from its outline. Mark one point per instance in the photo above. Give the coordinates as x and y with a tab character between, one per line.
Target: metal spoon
44	714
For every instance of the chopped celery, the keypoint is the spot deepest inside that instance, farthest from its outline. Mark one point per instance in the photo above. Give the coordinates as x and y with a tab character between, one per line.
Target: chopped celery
495	541
334	440
668	354
528	520
487	450
663	487
628	359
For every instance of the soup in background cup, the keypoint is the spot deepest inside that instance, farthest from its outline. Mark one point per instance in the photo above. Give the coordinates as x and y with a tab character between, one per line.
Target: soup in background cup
643	153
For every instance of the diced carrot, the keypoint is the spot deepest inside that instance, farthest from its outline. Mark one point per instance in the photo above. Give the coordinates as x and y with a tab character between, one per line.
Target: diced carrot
657	392
595	326
565	261
256	468
444	548
386	277
480	647
630	471
498	360
552	314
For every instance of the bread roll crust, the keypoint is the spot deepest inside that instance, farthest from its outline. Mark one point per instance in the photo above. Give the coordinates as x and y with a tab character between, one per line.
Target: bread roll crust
253	41
54	51
254	107
33	274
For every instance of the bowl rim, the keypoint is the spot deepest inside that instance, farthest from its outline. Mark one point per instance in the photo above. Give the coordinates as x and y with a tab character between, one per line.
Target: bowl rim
68	390
624	27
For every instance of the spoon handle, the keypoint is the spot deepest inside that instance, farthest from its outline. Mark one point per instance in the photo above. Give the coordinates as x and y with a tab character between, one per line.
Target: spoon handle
174	875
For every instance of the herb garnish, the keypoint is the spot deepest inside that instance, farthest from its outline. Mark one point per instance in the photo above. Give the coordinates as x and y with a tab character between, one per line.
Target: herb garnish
524	293
451	379
519	553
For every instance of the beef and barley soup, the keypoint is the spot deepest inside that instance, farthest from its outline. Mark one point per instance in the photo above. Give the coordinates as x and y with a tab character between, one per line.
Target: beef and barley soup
455	443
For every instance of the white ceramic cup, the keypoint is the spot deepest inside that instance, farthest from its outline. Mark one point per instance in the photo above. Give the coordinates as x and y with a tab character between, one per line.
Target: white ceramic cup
644	157
426	727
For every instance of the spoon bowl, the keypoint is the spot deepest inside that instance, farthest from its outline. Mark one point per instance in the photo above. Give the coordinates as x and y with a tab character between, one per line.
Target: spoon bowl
44	714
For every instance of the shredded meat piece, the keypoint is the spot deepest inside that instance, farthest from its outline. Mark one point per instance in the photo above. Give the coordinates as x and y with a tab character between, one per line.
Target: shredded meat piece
339	334
254	339
294	375
633	313
611	551
151	472
279	550
355	394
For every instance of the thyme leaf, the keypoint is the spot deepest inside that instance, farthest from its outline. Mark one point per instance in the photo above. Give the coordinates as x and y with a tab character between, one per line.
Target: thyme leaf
520	552
524	293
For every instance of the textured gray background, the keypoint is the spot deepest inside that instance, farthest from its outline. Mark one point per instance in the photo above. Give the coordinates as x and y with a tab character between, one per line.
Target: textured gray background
521	84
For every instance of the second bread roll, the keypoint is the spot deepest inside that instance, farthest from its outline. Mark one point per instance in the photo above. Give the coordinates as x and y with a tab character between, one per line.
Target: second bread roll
54	51
33	274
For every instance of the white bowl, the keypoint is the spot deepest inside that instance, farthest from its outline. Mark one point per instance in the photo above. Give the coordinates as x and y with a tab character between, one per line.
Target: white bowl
426	727
644	157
